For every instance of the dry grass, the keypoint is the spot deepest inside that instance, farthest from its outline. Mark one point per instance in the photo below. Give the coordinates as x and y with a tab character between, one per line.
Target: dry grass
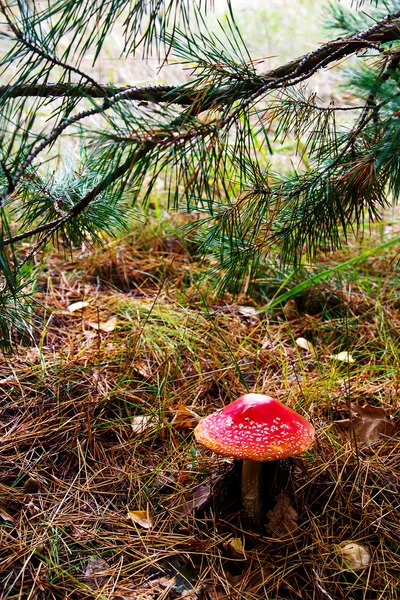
95	423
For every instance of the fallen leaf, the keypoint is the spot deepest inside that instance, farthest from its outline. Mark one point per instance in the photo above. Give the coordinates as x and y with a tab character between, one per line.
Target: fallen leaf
33	510
247	311
354	556
290	310
267	343
77	306
4	516
143	368
184	418
234	547
33	354
343	357
305	344
141	518
369	422
94	570
198	498
189	594
215	591
142	423
104	326
283	517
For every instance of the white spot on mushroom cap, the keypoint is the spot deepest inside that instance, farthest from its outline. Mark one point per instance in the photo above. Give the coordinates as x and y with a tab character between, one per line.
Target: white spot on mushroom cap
260	434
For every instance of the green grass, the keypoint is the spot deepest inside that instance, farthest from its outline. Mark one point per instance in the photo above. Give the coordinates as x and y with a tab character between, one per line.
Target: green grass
178	351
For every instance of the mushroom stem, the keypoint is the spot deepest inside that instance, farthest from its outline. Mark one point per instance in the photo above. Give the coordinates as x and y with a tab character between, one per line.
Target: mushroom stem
261	484
252	491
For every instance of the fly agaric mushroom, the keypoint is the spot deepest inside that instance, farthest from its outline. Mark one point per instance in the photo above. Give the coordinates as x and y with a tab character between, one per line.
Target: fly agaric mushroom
255	428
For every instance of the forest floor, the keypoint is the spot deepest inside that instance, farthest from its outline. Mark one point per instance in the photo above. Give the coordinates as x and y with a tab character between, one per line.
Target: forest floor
104	492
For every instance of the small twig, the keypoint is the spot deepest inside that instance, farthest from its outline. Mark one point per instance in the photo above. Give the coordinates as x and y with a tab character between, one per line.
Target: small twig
320	587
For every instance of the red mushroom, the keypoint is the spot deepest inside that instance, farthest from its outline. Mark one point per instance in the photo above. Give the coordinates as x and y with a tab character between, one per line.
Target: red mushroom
255	428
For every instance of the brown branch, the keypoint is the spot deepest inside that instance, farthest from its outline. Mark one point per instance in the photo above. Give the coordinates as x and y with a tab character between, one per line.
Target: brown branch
386	30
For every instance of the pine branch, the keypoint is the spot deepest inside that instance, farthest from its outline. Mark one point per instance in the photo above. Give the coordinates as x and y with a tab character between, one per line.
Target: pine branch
149	130
289	74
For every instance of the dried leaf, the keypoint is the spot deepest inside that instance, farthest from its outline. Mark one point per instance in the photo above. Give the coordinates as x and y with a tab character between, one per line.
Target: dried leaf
33	354
247	311
143	368
94	570
142	423
77	306
369	422
4	516
305	344
283	517
199	497
189	594
215	591
10	379
141	518
104	326
290	310
234	547
267	343
343	357
184	418
354	556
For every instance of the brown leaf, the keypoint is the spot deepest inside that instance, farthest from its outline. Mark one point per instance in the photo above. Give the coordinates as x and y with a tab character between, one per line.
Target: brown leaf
234	548
369	422
4	516
95	571
184	418
283	517
215	591
198	498
290	310
144	369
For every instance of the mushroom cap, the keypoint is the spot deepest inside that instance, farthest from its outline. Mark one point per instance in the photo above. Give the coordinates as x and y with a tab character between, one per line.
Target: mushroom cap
255	427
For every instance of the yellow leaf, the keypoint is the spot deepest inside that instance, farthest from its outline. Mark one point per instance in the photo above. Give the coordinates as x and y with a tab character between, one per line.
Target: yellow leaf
343	357
237	545
107	326
77	306
234	548
305	344
140	517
